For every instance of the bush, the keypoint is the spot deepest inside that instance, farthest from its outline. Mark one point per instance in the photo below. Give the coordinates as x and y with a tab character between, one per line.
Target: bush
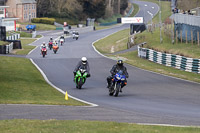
24	34
43	20
109	19
68	20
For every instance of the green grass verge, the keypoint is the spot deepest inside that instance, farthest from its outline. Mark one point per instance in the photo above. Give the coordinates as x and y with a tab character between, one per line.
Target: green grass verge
105	45
135	11
3	43
153	42
24	34
77	126
40	26
22	83
26	48
115	42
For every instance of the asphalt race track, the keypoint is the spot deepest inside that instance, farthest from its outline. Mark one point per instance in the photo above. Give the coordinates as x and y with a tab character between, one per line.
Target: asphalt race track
147	98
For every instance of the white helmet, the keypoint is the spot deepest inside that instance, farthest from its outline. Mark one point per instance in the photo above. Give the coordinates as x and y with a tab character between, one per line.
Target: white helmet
84	60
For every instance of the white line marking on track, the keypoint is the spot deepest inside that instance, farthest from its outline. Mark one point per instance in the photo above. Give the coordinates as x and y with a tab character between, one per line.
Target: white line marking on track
47	80
45	77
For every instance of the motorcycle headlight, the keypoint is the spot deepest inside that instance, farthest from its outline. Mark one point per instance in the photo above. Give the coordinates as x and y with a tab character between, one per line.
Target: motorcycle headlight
118	78
123	79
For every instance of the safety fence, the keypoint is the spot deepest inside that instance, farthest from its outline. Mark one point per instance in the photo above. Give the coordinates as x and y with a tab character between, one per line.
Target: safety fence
13	37
187	19
176	61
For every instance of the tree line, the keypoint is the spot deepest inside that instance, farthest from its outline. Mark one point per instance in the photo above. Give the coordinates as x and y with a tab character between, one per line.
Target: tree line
80	9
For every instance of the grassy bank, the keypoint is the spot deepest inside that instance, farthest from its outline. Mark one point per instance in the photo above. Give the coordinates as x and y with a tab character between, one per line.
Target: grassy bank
113	43
105	45
153	42
22	83
77	126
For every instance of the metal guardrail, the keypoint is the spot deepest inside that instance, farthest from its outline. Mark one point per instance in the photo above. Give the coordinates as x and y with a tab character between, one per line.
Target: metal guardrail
176	61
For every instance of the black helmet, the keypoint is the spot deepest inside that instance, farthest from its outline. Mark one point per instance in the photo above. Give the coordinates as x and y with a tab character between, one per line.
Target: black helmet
120	62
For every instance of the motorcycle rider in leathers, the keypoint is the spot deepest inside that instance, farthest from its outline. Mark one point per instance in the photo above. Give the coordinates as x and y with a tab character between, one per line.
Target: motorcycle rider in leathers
84	65
43	46
115	69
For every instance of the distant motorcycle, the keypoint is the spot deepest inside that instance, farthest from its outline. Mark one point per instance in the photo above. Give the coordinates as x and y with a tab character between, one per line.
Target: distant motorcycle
75	35
43	51
80	78
61	41
50	45
55	48
117	82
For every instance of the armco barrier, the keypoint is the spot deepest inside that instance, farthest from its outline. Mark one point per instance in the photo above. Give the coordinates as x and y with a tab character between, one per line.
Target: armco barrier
176	61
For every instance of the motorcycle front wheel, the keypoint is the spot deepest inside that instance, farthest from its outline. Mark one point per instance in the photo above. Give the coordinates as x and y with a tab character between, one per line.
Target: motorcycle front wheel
80	83
54	51
111	92
43	54
116	92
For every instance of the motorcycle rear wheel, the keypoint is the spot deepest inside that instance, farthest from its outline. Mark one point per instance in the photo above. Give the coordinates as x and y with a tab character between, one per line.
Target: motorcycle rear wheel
111	93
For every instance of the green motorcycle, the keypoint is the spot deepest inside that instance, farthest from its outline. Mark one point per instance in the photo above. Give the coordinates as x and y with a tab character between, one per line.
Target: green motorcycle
80	78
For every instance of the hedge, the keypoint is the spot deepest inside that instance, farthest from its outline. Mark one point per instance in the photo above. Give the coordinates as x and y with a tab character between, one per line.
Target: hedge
43	20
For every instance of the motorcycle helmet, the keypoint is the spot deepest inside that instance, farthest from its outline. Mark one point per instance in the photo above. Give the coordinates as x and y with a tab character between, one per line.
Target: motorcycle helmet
43	43
120	62
84	60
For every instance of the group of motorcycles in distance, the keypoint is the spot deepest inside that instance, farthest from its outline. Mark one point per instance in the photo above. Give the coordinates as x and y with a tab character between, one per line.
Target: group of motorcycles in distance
54	44
81	75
